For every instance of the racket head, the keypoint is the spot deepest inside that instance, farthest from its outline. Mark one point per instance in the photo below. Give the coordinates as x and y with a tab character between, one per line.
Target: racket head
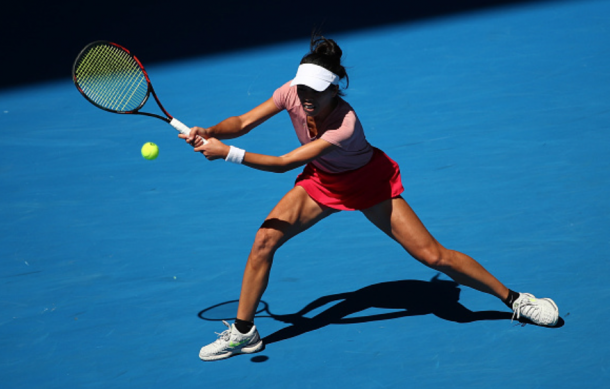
111	78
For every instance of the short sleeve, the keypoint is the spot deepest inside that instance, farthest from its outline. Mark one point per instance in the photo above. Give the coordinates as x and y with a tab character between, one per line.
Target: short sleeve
281	96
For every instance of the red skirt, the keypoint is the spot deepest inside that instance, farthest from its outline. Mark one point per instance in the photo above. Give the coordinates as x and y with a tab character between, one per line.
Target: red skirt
358	189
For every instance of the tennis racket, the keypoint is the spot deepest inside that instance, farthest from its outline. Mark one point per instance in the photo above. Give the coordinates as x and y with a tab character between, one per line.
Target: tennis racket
113	79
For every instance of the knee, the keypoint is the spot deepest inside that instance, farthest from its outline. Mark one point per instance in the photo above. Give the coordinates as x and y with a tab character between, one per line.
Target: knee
266	242
435	257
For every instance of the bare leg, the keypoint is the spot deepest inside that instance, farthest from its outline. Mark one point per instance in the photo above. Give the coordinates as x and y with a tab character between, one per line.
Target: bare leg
396	218
295	213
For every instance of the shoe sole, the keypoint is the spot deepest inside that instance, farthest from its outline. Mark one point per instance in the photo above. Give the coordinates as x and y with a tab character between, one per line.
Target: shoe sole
255	348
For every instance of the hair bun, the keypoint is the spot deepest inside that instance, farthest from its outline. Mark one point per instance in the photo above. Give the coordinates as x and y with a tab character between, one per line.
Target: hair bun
324	46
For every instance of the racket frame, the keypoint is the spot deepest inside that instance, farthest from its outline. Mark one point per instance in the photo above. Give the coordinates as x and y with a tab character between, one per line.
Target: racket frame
150	89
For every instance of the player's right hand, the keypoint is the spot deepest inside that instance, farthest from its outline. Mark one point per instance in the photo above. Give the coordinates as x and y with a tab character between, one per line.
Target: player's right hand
196	137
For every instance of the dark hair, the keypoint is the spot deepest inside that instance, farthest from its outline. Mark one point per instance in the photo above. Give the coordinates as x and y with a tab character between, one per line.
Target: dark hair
326	53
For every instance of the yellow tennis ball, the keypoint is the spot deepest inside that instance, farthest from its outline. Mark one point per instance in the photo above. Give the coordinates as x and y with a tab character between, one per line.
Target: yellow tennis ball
150	150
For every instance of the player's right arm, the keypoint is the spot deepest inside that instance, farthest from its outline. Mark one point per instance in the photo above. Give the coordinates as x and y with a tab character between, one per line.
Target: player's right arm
235	126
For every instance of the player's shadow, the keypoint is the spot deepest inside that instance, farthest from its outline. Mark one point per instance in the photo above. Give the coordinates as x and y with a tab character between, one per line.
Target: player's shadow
403	298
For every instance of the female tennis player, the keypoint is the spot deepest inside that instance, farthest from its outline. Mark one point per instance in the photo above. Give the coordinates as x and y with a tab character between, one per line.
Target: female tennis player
343	172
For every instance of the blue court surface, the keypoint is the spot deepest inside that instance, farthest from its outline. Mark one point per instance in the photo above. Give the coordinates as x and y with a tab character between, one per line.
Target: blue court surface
116	270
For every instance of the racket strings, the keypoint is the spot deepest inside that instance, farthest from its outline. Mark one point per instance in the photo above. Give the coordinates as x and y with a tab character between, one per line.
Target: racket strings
111	78
115	78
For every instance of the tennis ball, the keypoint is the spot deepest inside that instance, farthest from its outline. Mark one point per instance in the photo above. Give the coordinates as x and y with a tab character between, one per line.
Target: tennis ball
150	150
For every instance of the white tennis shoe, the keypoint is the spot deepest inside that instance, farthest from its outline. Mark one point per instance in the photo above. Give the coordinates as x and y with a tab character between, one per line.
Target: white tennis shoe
232	342
543	312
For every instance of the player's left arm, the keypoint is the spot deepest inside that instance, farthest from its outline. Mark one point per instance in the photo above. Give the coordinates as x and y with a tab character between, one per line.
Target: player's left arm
234	126
215	149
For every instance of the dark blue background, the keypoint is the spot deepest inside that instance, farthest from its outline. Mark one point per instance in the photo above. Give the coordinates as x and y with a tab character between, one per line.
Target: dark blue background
40	40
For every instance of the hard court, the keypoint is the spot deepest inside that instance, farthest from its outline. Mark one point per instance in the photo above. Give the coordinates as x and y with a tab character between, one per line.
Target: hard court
116	270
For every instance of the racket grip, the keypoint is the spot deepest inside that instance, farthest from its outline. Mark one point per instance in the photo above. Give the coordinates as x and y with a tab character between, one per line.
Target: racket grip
182	128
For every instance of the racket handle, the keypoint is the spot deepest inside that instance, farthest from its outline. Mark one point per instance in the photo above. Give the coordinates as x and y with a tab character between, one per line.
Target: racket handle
182	128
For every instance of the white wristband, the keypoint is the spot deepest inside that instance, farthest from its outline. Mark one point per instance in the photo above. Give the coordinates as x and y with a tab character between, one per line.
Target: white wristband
235	155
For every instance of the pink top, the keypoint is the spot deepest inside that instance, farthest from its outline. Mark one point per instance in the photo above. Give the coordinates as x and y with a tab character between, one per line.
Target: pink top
342	128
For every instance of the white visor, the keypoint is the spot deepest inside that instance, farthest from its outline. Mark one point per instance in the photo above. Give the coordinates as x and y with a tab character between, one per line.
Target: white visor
315	77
